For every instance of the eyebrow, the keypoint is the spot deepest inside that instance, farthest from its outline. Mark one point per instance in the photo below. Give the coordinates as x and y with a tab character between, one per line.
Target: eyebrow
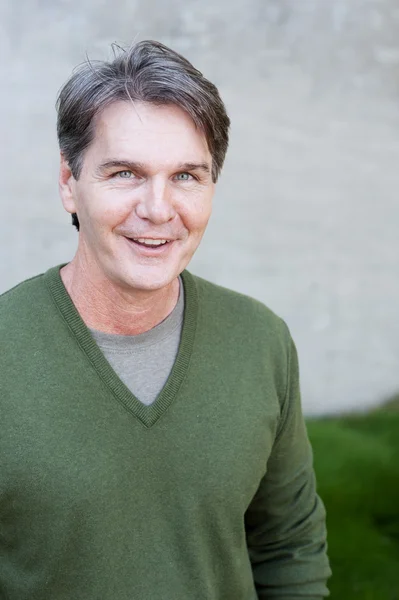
138	166
203	166
127	164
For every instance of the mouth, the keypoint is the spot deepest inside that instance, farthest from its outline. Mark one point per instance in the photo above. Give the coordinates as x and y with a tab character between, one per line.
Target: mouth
150	246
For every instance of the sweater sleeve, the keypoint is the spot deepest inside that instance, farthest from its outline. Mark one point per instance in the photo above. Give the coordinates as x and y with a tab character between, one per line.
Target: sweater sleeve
285	522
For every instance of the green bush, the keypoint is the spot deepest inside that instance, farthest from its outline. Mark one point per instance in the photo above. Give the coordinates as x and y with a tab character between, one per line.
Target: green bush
357	467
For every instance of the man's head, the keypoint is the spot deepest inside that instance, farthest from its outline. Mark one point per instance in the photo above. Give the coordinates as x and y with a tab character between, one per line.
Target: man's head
143	139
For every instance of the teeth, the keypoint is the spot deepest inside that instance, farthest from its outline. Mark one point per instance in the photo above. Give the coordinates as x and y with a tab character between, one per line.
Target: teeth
149	242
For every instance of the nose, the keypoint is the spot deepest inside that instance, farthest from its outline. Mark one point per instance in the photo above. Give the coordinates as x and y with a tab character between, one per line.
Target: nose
156	202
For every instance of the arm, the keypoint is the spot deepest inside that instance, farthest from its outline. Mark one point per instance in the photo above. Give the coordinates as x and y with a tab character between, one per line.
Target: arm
285	522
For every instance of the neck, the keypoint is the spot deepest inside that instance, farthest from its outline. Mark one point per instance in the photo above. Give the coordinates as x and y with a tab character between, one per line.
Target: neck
104	306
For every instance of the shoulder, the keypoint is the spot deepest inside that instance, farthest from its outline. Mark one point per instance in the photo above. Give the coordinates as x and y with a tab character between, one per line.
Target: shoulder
230	304
19	304
243	315
21	291
243	334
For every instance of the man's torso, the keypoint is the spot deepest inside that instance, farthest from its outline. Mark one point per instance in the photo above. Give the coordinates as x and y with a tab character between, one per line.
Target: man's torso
105	497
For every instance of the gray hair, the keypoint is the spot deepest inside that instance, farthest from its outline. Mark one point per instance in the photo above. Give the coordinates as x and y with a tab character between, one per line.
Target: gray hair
146	72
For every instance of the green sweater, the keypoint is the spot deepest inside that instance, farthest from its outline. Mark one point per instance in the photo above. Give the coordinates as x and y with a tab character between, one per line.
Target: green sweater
207	494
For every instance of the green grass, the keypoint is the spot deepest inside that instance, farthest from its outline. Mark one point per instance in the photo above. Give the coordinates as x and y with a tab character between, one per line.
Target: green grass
357	467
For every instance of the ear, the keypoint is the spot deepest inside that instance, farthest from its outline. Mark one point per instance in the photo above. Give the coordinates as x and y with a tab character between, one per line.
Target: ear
66	187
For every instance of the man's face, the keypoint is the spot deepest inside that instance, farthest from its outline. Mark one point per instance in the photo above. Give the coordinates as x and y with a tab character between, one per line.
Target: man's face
146	177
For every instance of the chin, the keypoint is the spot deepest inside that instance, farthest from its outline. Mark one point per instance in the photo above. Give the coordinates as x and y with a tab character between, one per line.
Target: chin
149	279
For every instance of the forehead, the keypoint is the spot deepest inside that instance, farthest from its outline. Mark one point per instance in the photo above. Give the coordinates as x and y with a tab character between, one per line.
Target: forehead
143	132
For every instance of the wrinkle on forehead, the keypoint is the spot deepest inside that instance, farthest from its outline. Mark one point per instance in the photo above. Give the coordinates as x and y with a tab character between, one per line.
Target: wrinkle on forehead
122	128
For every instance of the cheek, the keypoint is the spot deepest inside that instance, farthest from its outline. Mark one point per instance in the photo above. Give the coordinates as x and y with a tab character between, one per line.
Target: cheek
108	210
196	214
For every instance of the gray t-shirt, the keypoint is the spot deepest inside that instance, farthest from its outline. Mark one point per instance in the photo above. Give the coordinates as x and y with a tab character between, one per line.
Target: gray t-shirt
144	361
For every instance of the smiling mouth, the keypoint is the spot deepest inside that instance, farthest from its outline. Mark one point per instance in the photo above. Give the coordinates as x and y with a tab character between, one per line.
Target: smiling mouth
151	244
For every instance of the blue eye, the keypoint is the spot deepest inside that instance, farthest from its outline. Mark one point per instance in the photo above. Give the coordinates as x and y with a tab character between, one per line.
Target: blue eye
125	174
183	176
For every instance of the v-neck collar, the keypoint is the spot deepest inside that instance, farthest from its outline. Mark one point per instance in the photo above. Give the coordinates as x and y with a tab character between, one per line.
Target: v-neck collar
148	415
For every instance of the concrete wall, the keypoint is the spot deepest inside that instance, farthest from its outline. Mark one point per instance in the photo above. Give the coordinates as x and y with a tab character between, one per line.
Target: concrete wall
306	214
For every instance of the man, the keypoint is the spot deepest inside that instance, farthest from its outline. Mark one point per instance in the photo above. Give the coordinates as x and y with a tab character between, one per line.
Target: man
153	445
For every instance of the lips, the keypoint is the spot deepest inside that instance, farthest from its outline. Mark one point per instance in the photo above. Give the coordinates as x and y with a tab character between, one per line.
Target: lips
150	241
150	245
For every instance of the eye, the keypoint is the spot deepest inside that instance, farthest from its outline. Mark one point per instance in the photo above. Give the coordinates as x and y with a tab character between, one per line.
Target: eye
124	174
184	177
